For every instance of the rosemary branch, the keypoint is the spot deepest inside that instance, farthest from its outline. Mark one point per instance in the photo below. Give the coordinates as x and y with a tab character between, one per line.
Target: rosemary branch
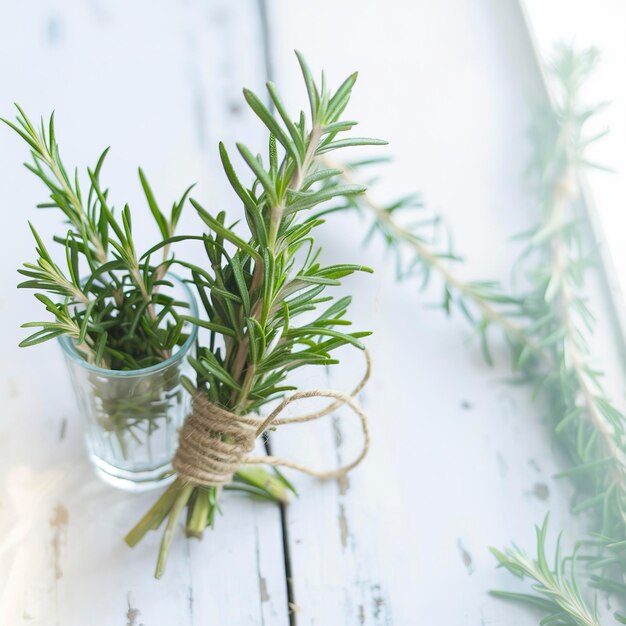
560	600
255	286
566	190
430	257
588	426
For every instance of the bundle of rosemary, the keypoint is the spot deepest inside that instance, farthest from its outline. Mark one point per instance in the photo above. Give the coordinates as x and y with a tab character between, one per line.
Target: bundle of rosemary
107	306
254	289
111	303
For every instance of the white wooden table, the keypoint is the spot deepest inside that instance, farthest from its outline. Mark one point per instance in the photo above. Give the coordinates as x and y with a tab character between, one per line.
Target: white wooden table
459	461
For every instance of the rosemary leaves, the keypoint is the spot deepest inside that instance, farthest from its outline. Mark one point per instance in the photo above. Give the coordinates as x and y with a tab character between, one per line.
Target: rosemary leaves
255	288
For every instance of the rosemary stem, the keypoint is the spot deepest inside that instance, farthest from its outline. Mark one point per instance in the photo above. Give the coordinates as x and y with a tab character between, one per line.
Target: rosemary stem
429	257
276	216
78	205
565	191
198	514
155	516
179	504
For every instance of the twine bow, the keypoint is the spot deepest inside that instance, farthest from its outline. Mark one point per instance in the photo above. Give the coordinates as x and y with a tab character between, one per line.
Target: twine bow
215	442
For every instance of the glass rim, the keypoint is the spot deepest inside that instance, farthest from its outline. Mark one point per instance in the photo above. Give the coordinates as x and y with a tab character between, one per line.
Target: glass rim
68	347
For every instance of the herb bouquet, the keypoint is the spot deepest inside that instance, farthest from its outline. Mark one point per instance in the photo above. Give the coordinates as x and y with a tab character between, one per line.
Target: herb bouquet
121	322
253	291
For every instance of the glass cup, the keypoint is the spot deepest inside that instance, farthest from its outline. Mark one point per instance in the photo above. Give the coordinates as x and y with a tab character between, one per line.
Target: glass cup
132	417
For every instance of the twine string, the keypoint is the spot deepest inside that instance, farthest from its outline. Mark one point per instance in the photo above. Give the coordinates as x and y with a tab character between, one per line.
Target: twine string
215	442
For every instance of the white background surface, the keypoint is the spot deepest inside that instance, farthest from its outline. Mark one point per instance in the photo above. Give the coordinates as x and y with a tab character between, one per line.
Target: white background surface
458	456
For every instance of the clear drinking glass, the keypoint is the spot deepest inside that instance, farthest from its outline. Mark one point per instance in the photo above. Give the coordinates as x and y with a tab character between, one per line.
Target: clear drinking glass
132	417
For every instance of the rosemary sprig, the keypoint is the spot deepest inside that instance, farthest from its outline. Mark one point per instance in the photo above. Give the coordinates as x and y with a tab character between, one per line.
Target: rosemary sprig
488	300
116	315
558	300
105	299
559	597
255	289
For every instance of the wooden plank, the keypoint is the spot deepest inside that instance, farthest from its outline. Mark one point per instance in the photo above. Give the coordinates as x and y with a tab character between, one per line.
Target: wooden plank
459	459
161	83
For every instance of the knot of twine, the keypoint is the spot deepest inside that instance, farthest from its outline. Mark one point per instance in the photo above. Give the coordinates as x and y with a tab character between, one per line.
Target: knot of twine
214	442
